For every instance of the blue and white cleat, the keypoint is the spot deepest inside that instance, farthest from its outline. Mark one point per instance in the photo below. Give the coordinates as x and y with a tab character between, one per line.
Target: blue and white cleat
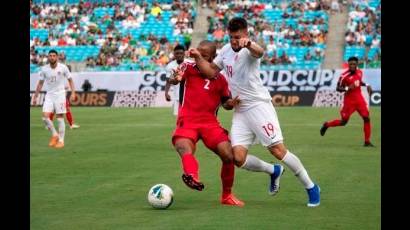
314	196
275	179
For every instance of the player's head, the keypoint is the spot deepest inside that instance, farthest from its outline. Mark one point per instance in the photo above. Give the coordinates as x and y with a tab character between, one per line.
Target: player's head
207	50
179	53
237	29
353	61
52	56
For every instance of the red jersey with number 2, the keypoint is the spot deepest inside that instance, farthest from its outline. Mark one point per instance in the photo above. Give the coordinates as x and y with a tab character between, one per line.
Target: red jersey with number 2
201	96
347	79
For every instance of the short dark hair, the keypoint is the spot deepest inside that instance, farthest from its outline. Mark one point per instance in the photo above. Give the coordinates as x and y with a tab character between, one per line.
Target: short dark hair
179	47
353	59
53	51
236	24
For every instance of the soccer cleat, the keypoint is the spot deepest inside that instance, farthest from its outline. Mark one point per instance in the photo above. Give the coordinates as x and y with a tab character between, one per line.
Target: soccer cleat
74	126
323	129
314	196
232	200
59	145
368	144
53	141
275	179
193	183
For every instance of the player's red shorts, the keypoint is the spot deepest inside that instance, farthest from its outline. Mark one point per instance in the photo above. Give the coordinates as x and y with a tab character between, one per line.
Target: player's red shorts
350	107
211	133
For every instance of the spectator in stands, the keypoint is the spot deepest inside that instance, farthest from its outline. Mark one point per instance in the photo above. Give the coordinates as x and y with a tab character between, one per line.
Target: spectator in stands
350	38
219	34
62	57
86	86
293	59
156	9
271	46
335	7
162	59
318	54
284	59
308	56
375	42
187	40
90	62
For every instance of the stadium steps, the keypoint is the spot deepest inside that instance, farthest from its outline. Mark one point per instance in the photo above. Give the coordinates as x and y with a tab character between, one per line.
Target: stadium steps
335	40
201	25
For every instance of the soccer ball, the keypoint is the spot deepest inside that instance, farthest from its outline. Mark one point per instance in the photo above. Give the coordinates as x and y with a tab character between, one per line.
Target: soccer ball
160	196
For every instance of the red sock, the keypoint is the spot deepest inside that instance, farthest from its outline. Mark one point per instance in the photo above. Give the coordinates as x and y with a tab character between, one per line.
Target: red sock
227	176
69	118
367	131
190	165
51	116
333	123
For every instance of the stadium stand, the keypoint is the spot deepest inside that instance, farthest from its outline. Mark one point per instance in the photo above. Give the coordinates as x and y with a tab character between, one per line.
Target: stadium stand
110	35
363	33
294	32
115	35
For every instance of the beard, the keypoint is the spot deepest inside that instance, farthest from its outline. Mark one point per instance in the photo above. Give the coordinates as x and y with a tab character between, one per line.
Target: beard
237	49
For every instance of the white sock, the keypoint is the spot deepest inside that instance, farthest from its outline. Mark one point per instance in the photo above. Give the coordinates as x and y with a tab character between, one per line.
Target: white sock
297	168
255	164
50	126
61	129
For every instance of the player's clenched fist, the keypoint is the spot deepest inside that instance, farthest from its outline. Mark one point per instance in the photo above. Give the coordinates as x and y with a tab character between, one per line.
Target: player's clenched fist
245	42
194	53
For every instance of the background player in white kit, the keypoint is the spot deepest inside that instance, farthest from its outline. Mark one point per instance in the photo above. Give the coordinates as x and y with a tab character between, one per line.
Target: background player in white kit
179	56
54	74
254	116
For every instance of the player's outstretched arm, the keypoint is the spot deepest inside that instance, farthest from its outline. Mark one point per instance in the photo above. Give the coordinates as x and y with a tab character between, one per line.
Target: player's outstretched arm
167	87
209	70
71	83
38	88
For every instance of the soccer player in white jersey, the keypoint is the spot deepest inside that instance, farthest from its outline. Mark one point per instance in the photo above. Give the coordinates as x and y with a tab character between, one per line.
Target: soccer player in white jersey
179	55
54	75
255	117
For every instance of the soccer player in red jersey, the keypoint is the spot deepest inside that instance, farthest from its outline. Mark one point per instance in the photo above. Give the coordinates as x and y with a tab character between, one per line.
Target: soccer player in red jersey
197	120
351	82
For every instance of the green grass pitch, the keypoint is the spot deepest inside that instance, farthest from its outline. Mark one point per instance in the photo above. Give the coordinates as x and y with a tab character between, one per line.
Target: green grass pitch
101	178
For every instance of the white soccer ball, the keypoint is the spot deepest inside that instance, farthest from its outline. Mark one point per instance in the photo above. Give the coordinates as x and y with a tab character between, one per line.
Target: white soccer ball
160	196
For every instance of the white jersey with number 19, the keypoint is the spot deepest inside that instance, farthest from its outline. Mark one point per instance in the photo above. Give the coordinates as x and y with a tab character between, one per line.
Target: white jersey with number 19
242	70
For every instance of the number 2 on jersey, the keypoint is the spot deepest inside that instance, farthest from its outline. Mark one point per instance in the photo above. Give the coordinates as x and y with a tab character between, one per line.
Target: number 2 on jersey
207	84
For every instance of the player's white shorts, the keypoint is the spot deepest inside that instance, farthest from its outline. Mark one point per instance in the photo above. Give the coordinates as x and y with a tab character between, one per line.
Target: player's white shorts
259	123
176	107
55	103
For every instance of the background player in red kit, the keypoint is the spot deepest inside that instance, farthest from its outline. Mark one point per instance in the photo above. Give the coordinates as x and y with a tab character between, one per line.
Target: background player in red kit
197	120
351	82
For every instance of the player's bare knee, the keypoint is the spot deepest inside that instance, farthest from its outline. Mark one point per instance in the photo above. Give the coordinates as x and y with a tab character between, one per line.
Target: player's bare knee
366	119
239	155
343	122
278	150
183	146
